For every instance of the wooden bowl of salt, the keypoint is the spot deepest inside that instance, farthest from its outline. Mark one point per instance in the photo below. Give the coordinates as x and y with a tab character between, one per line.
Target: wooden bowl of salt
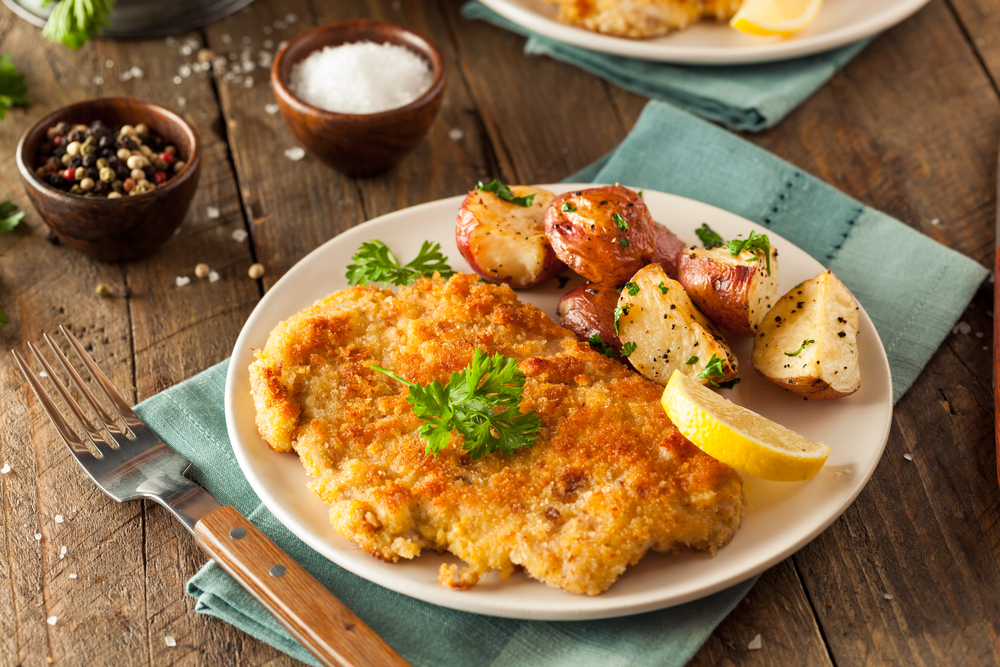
359	95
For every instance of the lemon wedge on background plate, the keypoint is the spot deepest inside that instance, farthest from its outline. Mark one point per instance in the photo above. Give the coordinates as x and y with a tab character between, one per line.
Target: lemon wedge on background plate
739	437
775	17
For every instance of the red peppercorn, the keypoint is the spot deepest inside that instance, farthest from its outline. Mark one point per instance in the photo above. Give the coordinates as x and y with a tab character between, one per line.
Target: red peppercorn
69	175
160	177
167	157
128	184
58	140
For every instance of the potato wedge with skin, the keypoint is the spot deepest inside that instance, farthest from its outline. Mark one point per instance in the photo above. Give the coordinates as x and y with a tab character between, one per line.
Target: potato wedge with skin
590	309
668	330
808	343
605	234
504	242
668	246
734	292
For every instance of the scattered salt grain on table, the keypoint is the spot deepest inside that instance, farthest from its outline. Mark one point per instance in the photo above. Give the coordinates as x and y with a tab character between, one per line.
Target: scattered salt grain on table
755	643
213	276
5	469
271	108
295	153
212	212
98	80
936	221
38	537
888	596
51	620
43	374
62	552
182	281
58	518
240	235
72	575
908	456
360	78
456	134
181	102
169	641
109	64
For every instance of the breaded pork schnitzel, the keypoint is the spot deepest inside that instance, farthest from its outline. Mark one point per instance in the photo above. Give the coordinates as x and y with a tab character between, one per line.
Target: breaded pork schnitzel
641	19
608	478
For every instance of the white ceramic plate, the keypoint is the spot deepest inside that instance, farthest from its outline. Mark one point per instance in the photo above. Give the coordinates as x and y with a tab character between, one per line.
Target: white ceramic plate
782	516
839	22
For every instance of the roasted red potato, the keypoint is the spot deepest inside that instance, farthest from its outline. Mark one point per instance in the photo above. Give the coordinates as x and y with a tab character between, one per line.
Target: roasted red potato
808	343
504	242
605	234
668	246
735	292
588	310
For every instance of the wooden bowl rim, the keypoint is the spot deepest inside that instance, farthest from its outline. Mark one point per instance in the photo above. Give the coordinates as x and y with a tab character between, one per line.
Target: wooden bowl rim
28	174
437	62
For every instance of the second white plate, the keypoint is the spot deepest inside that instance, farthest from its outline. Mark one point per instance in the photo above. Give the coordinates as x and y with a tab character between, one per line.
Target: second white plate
782	516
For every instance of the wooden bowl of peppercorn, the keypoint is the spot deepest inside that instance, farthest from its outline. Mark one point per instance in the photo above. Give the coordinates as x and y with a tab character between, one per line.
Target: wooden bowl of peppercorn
123	227
358	144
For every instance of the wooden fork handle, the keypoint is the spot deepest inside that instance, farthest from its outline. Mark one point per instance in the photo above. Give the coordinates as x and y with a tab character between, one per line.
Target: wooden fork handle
317	619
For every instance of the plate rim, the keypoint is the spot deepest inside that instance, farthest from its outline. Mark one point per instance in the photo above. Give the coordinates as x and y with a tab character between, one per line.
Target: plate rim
458	600
658	51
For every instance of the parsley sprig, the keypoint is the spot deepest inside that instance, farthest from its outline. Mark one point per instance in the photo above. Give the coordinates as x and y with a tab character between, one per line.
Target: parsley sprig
12	86
712	370
74	22
598	343
755	243
708	237
375	263
801	347
482	403
9	216
504	193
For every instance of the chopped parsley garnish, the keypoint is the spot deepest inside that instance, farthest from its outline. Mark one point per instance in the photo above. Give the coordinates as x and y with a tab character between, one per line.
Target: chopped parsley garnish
375	263
632	288
708	237
619	311
9	216
504	193
713	370
727	385
598	343
469	404
73	22
663	288
568	207
624	242
692	361
619	221
801	347
639	193
754	243
12	86
628	348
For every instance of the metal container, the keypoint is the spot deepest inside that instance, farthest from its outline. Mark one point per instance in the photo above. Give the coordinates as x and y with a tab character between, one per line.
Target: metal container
144	18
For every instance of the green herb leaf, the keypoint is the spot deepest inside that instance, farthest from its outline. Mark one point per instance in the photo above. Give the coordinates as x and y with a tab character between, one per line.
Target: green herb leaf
619	221
708	237
9	216
640	193
801	347
663	288
624	242
628	348
375	263
74	22
755	243
619	311
598	343
482	403
727	385
568	207
692	361
504	193
632	288
713	370
12	86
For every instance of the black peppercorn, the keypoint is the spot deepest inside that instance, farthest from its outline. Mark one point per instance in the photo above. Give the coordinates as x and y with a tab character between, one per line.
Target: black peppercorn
93	172
89	160
106	141
155	142
101	188
98	128
150	171
75	135
75	161
122	172
62	127
124	141
59	151
114	162
56	180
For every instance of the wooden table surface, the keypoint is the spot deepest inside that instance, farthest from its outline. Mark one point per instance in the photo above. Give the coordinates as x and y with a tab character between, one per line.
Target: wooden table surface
909	127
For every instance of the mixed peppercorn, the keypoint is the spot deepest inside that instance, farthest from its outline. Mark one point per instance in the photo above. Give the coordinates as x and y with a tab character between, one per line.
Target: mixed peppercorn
97	160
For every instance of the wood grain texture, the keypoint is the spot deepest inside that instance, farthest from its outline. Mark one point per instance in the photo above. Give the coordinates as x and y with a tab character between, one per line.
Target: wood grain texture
322	623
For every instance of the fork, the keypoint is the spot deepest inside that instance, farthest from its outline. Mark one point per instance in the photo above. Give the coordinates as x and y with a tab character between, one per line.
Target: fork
135	463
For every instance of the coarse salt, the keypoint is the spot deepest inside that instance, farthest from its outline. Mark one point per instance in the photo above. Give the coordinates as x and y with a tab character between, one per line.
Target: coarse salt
72	575
181	102
755	643
240	235
182	281
5	469
42	374
361	78
51	620
58	518
38	537
456	134
98	80
271	108
62	552
295	153
212	212
169	641
908	456
888	596
213	276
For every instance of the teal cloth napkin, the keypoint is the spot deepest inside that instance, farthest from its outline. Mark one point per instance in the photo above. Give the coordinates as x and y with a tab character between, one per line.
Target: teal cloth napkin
744	98
912	287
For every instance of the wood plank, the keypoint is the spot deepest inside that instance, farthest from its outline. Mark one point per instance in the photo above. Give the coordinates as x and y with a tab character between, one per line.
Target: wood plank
980	20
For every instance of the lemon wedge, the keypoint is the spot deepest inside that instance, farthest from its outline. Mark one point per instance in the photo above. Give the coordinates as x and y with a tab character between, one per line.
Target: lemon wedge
739	437
775	17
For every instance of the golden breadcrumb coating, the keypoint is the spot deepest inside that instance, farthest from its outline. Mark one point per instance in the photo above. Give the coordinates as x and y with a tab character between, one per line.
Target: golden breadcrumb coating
608	478
641	19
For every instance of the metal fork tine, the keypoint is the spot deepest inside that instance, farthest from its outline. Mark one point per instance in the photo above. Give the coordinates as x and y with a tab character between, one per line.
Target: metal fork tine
117	402
95	436
102	414
75	444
